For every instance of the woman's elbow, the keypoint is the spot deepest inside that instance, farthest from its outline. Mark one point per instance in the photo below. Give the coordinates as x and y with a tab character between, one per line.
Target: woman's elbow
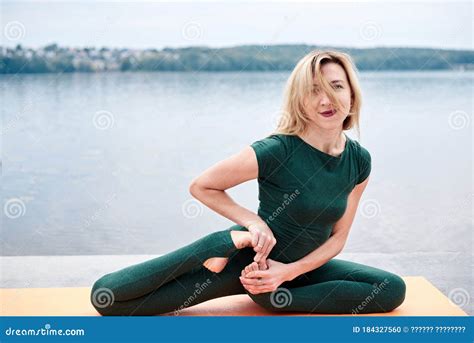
195	188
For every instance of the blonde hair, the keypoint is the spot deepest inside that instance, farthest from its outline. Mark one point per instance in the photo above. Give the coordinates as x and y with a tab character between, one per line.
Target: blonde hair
293	120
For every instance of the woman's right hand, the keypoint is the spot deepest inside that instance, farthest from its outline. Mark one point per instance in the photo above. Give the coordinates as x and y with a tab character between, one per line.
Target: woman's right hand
263	242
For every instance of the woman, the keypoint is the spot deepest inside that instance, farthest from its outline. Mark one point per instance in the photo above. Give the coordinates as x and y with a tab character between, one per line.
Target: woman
311	177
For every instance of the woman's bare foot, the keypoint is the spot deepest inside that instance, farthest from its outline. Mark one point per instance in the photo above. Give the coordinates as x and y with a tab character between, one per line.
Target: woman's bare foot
216	264
241	240
250	268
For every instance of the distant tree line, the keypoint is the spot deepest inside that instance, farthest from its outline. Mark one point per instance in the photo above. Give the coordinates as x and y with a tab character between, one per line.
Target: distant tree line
53	59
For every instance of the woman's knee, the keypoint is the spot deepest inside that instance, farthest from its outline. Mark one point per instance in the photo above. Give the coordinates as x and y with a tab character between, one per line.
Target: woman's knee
395	291
103	297
276	301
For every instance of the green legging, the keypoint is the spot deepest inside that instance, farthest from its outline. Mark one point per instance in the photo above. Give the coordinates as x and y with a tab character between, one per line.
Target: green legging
177	280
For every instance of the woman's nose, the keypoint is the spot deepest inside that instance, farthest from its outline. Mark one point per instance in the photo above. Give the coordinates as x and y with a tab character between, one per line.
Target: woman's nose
324	100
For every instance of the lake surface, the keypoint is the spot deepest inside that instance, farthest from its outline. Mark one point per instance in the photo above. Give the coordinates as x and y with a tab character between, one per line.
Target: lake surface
101	163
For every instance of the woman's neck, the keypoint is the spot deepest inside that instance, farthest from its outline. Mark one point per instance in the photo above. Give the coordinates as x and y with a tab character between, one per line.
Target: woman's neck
331	142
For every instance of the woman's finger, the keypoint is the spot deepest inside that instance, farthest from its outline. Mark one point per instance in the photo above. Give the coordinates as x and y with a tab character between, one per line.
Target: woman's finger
255	238
256	290
252	282
261	242
262	265
258	257
267	248
262	246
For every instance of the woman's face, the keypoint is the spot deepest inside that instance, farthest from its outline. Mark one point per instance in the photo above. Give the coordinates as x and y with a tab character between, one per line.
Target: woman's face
318	102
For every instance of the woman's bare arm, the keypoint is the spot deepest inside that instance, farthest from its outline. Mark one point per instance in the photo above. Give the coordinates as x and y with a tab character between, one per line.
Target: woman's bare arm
334	245
210	186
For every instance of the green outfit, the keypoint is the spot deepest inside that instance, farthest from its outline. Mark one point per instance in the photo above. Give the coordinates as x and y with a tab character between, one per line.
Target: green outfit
303	192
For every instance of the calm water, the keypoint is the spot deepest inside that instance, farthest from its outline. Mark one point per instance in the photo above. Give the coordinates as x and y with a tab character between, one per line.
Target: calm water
101	164
116	182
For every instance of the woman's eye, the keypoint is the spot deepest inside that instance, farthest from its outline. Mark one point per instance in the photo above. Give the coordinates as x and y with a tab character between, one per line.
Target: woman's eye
338	86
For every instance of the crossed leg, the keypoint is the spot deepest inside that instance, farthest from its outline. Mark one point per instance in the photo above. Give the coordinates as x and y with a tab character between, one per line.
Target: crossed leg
179	279
337	287
173	281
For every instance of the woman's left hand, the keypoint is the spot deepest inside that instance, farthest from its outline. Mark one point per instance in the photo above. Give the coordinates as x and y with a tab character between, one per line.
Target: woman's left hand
262	281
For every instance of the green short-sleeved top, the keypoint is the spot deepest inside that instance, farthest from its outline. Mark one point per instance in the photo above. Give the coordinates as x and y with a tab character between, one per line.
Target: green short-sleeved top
303	191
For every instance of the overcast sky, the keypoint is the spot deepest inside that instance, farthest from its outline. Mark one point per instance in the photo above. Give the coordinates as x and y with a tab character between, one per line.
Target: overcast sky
218	24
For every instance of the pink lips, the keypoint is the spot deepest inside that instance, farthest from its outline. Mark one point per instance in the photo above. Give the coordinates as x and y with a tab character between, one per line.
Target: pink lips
328	113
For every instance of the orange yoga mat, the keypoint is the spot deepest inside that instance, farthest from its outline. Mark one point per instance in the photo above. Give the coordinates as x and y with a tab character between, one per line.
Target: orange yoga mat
422	299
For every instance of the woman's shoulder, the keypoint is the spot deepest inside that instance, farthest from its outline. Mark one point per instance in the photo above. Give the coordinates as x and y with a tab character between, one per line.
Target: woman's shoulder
364	161
274	141
280	137
361	150
271	152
